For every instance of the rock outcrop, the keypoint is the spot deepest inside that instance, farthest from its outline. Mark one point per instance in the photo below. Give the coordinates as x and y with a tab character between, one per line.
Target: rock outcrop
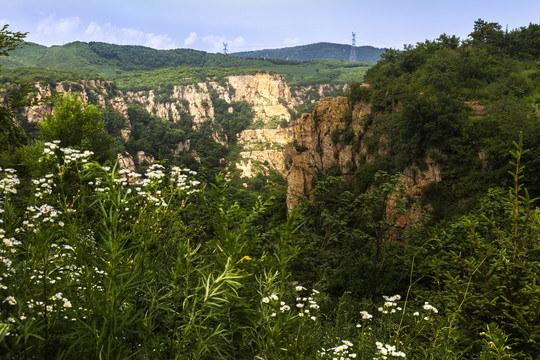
336	136
314	147
269	95
263	149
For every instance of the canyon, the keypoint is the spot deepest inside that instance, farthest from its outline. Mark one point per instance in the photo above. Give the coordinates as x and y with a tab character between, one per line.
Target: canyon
298	152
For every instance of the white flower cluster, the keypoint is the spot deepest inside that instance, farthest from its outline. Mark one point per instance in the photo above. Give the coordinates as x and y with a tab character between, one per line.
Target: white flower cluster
273	301
50	147
390	304
385	350
154	186
57	302
44	213
72	155
308	304
180	178
304	304
366	315
150	184
97	183
428	307
10	300
341	352
66	275
7	248
155	172
65	303
8	182
43	186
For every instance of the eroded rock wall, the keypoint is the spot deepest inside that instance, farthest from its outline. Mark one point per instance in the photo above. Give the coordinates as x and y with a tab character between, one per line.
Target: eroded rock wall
315	147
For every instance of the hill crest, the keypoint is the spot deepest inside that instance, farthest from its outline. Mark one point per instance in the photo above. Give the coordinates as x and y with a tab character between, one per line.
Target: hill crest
316	51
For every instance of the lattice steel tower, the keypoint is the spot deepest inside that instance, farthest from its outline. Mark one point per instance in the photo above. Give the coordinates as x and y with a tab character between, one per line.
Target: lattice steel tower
225	51
352	57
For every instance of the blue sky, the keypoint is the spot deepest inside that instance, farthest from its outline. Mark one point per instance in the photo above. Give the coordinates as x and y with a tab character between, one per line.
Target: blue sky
253	24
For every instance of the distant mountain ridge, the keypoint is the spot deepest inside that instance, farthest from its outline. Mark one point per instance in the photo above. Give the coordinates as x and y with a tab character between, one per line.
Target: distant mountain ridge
317	51
171	66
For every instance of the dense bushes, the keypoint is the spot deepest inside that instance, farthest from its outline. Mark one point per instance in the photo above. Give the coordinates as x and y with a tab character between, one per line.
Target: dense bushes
462	99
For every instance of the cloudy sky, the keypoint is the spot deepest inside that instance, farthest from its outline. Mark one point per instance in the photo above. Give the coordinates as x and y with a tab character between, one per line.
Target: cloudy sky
257	24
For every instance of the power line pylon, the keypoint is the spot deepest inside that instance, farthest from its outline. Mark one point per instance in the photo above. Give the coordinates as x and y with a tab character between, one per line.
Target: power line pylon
225	51
352	56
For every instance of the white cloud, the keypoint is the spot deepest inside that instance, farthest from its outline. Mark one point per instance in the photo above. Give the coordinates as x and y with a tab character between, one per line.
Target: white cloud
53	31
190	39
96	32
216	43
52	27
127	36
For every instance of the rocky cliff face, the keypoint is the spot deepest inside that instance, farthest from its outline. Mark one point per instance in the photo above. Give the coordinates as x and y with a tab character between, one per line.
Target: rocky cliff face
94	91
269	95
263	149
336	136
314	146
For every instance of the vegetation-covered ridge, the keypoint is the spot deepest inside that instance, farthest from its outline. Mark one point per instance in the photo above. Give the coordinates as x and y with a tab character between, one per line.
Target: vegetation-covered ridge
318	51
460	103
111	60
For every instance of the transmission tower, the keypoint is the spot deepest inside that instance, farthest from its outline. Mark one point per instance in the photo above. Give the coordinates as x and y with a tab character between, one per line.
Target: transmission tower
225	48
352	57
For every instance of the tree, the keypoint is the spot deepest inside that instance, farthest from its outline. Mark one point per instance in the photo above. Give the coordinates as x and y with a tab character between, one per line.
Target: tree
73	122
487	33
10	40
14	95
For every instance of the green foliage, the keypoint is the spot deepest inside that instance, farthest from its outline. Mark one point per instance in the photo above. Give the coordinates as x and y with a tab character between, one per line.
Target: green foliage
114	271
10	40
72	122
99	262
15	94
11	135
169	77
46	76
232	117
349	240
358	93
496	280
151	134
461	100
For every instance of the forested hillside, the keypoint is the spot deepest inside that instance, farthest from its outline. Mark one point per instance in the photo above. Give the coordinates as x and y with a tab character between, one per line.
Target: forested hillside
319	51
112	60
187	258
